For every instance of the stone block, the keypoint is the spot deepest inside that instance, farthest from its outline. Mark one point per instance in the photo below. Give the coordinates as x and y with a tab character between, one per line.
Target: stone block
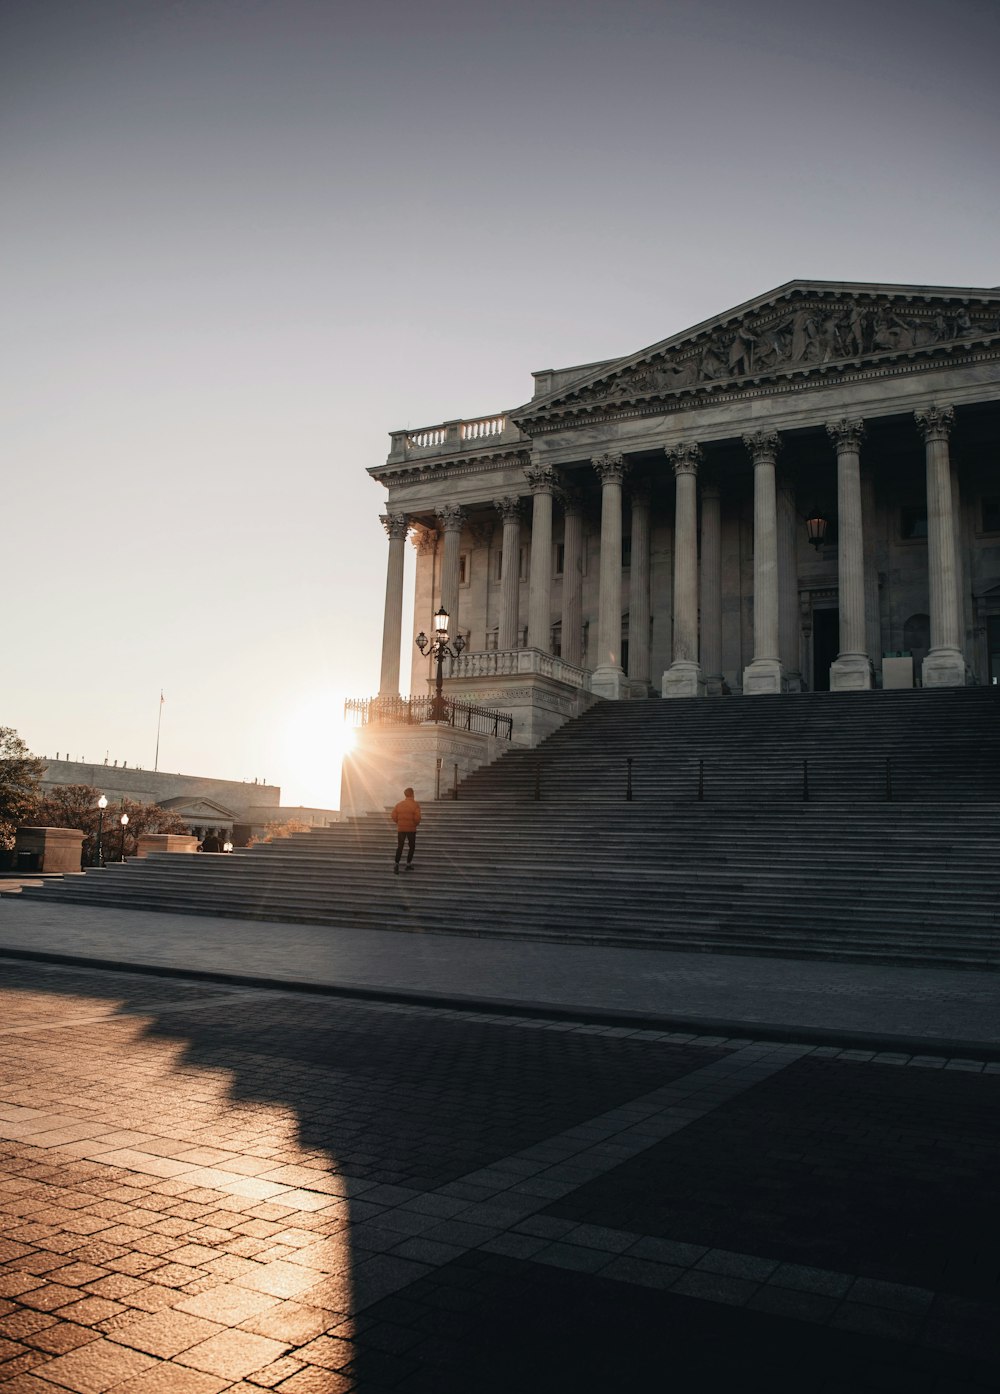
897	672
56	849
166	842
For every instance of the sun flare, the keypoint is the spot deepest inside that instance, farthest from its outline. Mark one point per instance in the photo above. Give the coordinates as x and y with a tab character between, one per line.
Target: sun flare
315	740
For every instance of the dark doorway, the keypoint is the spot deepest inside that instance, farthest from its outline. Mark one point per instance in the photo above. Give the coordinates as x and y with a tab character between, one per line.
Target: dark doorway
993	641
826	646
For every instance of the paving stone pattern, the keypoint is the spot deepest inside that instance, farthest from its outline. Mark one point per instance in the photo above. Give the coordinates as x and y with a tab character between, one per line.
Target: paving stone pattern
207	1189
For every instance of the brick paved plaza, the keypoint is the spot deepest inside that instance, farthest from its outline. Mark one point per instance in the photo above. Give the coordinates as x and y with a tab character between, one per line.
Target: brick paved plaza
205	1187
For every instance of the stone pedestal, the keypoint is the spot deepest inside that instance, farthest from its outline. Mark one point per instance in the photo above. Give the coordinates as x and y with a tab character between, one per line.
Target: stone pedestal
49	849
683	679
850	672
610	682
763	675
943	668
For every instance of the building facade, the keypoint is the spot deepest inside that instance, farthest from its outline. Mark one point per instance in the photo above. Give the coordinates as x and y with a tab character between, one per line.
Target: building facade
233	809
641	526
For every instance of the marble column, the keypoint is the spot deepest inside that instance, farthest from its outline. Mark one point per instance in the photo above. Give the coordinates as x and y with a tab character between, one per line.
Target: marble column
852	668
873	621
542	482
944	665
509	509
683	678
451	520
789	624
572	592
608	678
956	509
425	542
396	526
638	593
764	674
710	650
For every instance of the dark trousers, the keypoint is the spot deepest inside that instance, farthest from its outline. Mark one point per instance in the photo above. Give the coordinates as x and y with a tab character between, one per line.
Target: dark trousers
411	840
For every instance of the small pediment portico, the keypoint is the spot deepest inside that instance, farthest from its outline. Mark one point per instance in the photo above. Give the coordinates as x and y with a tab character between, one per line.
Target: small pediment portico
199	810
819	329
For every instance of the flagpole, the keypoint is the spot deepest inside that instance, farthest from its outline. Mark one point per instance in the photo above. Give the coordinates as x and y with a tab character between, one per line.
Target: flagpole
156	761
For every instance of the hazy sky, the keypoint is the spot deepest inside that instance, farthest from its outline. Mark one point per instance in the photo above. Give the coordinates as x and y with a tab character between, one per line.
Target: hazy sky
245	239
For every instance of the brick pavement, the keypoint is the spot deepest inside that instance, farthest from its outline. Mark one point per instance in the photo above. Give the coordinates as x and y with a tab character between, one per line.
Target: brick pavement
206	1188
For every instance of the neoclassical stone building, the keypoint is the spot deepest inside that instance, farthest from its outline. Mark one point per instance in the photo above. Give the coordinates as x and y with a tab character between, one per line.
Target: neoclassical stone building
641	526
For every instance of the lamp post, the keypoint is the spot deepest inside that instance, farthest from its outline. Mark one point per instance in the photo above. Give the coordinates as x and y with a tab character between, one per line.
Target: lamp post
439	649
124	823
102	804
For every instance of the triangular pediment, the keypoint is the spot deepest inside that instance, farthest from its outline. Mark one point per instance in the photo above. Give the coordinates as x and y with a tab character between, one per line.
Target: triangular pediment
799	329
194	806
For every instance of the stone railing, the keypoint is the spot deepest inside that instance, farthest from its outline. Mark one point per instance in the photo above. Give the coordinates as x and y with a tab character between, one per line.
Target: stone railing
452	436
509	663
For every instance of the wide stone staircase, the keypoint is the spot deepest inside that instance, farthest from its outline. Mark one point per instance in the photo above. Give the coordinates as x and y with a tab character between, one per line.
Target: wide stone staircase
861	826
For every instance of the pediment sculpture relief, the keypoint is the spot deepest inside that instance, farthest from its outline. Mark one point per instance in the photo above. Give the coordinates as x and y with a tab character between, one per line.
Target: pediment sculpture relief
810	334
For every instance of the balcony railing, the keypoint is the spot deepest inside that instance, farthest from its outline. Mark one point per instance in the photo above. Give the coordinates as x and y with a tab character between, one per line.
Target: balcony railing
446	436
507	663
415	711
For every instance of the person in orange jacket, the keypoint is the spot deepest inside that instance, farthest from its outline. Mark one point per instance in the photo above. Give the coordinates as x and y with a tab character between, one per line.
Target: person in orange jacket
406	816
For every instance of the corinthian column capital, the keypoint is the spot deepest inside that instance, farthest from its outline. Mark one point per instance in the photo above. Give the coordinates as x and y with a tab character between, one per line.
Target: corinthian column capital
846	434
763	446
542	479
508	507
935	422
611	469
451	517
396	525
685	457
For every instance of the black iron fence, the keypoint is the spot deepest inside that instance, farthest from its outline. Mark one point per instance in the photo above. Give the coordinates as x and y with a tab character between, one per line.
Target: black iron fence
414	711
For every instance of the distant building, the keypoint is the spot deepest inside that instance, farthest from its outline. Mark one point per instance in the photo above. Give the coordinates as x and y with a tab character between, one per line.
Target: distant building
237	809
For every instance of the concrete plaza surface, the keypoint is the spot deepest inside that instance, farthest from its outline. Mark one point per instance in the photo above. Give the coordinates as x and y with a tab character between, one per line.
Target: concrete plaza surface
945	1010
206	1188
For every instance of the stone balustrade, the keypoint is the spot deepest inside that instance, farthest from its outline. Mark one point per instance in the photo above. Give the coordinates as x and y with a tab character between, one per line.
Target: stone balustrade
450	436
505	663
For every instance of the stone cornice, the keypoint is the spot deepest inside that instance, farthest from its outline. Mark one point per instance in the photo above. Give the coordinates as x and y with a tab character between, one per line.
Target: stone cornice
814	382
408	471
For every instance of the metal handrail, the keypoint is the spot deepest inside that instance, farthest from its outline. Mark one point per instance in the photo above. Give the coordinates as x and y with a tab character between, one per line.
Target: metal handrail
415	711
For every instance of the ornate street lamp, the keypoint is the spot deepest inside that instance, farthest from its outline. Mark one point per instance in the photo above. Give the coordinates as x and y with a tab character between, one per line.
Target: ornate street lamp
102	804
816	526
124	823
439	649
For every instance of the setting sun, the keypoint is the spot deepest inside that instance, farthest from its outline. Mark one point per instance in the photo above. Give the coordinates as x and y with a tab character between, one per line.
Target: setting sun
315	739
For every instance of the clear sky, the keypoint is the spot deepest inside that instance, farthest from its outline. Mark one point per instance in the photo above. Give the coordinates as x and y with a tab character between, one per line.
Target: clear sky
245	239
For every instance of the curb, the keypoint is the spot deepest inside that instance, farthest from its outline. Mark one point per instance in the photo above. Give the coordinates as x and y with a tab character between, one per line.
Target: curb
939	1047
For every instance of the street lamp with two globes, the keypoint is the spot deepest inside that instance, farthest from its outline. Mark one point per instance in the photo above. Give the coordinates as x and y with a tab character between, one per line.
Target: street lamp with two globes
439	649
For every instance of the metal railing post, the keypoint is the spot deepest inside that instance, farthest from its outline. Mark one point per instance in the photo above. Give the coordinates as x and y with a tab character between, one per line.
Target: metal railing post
454	787
701	781
437	779
888	779
628	778
805	781
538	780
